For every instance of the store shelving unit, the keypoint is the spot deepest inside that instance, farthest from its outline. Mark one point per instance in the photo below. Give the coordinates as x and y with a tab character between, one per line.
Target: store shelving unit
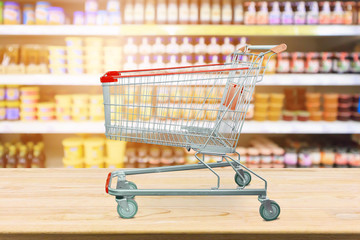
181	30
269	80
253	127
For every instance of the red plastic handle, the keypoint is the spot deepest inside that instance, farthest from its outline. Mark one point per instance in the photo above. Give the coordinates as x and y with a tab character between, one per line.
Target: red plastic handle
107	183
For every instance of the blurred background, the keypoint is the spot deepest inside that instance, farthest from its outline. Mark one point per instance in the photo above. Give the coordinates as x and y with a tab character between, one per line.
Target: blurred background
305	112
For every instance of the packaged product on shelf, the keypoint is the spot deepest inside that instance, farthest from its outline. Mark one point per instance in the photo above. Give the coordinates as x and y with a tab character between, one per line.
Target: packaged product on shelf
312	16
2	110
11	159
265	157
215	12
287	16
254	157
297	62
283	63
73	162
250	13
130	156
23	161
290	158
312	64
200	47
275	14
353	157
205	12
167	157
102	17
115	153
337	15
56	16
227	47
150	11
226	12
1	16
325	15
2	93
11	13
28	14
2	156
238	12
355	63
94	149
194	12
327	157
12	110
42	12
144	47
73	148
300	13
130	48
262	16
158	63
113	6
278	157
91	6
161	13
172	47
350	13
90	18
172	12
142	159
213	48
12	92
79	18
342	62
304	158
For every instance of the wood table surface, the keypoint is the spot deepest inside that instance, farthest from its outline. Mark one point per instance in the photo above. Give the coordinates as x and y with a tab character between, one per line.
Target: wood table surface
72	204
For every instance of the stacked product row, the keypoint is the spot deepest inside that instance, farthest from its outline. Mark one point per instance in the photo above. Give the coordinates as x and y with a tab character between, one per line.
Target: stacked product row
188	12
22	155
93	152
22	103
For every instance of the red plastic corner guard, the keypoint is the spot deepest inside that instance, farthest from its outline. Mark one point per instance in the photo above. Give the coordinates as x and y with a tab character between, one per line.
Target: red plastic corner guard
109	77
107	183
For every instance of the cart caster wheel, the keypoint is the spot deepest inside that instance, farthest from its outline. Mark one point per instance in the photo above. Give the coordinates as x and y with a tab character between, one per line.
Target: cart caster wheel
239	180
269	214
132	186
130	212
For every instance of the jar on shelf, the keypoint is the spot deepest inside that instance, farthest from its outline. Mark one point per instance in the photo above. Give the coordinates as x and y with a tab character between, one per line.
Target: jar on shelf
312	64
11	13
42	13
326	63
56	16
315	156
342	62
290	158
341	157
278	157
2	110
283	63
297	62
28	14
354	157
327	157
355	62
254	157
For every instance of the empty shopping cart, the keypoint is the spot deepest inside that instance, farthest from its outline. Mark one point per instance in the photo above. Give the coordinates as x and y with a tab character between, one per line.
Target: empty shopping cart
196	107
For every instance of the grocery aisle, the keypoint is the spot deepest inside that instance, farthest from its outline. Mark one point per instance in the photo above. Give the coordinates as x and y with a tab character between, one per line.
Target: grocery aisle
304	113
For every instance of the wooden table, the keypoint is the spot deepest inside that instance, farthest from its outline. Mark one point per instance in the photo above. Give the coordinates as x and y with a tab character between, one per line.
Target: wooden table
72	204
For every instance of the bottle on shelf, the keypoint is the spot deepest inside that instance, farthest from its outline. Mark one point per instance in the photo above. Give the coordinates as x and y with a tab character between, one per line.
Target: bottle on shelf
205	11
287	16
300	14
172	62
129	12
312	16
172	12
325	13
145	47
2	157
167	157
262	16
11	159
238	12
213	48
145	64
275	14
200	47
184	12
186	47
158	47
150	12
200	60
350	13
22	156
226	12
142	159
130	47
159	62
39	159
215	12
161	12
130	63
172	47
184	61
250	13
227	47
194	12
337	15
242	42
154	159
139	11
214	59
30	152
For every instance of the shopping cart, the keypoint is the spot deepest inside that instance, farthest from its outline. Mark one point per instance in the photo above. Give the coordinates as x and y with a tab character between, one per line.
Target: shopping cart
197	107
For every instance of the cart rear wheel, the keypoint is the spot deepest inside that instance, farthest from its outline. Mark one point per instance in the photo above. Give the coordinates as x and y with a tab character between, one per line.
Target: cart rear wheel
239	181
130	212
270	214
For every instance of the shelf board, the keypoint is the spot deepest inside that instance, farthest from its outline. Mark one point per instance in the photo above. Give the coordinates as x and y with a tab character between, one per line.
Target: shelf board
267	127
269	80
180	30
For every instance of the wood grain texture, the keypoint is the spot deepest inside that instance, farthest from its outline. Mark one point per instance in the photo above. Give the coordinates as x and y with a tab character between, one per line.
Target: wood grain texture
60	203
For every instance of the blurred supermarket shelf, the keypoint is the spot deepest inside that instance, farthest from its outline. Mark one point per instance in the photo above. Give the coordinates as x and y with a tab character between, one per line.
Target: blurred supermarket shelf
269	80
181	30
280	127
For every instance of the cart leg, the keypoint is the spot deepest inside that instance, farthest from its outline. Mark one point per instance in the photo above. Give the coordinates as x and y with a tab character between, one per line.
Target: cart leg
203	162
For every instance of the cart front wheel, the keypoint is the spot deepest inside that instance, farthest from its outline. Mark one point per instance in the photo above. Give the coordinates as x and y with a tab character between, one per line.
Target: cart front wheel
129	212
271	213
239	181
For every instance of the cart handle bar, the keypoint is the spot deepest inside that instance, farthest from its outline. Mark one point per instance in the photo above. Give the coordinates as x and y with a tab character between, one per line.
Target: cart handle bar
274	48
112	76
